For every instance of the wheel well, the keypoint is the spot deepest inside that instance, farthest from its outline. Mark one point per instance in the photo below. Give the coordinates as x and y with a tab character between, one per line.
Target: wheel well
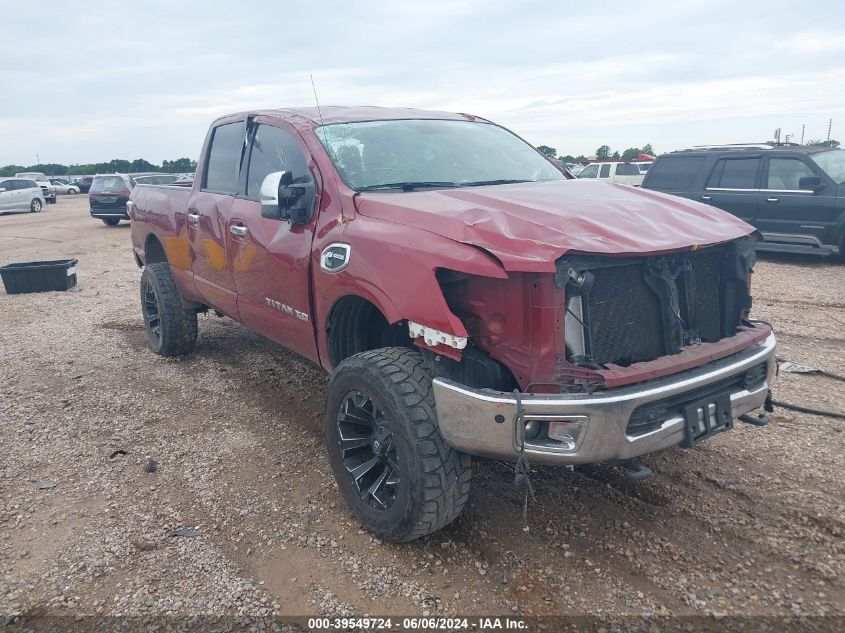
154	251
355	325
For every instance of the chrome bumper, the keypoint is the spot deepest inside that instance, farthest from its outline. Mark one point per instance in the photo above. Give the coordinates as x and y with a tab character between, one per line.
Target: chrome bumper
482	421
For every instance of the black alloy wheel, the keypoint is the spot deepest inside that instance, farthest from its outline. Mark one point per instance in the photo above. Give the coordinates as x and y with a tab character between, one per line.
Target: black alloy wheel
171	329
150	309
366	442
394	469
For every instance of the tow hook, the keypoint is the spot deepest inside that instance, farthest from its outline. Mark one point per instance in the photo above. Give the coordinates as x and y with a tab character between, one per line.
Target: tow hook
761	419
635	471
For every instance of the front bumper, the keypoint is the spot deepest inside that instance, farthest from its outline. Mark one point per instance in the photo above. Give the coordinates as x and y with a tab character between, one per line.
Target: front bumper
483	422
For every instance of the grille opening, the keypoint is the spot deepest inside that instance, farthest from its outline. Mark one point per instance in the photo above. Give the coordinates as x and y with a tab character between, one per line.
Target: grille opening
624	316
625	319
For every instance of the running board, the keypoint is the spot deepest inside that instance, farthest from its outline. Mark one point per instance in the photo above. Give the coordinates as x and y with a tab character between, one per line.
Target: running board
798	249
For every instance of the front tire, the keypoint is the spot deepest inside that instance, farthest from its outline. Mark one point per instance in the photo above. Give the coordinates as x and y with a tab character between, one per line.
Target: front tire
111	221
392	465
171	330
35	206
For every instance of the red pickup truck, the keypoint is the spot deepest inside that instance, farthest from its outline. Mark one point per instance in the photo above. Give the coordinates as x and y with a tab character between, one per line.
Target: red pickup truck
467	296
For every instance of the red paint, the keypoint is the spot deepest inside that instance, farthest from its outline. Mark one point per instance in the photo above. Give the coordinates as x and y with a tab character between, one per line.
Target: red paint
504	239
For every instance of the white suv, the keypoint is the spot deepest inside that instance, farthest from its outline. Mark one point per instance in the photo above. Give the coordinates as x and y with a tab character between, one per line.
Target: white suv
20	194
43	182
620	172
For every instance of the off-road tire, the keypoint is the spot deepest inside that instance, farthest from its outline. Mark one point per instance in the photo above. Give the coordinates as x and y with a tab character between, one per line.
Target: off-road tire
35	206
111	221
177	327
434	478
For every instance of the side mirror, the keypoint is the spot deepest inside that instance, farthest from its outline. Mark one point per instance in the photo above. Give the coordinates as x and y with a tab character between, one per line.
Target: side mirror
811	182
269	195
282	199
2	189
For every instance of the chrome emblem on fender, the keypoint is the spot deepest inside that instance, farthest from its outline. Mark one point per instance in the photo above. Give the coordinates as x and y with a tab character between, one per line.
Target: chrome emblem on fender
335	257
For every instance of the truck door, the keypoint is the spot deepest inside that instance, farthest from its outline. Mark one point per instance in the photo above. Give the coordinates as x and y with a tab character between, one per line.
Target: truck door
209	216
272	257
789	213
732	186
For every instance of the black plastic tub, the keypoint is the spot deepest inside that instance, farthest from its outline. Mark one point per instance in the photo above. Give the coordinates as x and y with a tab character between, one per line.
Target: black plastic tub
39	276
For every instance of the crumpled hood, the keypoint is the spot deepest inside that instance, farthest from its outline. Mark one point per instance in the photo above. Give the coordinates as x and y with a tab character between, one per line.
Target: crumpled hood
530	225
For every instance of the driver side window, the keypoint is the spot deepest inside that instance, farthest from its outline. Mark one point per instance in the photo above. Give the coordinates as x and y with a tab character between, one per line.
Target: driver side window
273	149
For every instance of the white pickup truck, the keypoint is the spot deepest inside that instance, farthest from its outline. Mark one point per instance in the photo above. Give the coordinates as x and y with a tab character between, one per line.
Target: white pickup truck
622	173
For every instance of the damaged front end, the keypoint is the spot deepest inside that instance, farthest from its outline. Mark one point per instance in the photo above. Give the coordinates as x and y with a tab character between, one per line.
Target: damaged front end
609	355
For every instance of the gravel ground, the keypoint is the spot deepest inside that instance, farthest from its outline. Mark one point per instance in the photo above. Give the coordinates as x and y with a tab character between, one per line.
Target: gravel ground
241	515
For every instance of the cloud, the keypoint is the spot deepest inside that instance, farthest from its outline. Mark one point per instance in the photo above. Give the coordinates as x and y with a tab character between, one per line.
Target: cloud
145	79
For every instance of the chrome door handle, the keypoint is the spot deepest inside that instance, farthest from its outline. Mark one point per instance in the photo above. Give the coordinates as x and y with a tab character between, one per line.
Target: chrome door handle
772	199
194	219
705	197
240	231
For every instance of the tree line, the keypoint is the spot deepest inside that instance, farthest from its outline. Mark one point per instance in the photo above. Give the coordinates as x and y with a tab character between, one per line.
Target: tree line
602	153
117	165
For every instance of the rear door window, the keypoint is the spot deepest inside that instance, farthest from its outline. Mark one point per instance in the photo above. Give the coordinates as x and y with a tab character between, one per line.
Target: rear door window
224	157
786	173
674	173
273	149
734	173
605	171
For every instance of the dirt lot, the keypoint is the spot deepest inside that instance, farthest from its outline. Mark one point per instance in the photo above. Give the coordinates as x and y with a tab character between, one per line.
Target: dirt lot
751	522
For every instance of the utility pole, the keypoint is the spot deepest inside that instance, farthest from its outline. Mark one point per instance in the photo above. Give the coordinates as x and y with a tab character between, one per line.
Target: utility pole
803	125
829	125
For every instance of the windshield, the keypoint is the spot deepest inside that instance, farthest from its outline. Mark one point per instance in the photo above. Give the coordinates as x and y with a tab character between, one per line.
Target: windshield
108	184
832	163
410	154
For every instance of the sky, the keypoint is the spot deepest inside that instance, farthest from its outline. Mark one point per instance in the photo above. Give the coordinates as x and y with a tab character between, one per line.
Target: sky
91	81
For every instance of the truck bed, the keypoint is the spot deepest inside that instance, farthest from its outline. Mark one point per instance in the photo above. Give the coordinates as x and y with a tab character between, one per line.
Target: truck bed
162	210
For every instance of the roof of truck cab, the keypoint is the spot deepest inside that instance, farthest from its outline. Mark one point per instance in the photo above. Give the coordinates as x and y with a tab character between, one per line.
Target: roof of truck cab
351	114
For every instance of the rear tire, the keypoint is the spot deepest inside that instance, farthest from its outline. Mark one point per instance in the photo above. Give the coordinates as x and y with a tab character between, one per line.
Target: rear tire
392	465
35	206
111	221
171	330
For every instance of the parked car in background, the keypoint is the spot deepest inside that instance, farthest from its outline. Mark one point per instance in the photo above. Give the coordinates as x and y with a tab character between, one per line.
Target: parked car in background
20	194
85	183
63	187
622	173
154	179
47	189
794	195
107	197
109	193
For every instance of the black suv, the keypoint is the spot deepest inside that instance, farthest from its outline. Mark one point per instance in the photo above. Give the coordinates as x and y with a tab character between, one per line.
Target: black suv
793	194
